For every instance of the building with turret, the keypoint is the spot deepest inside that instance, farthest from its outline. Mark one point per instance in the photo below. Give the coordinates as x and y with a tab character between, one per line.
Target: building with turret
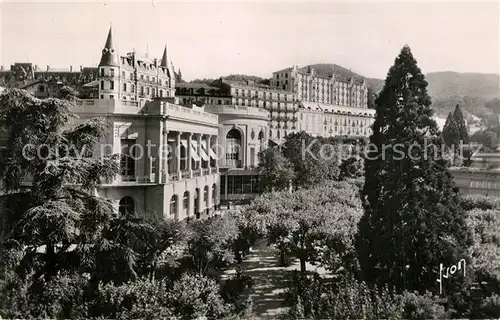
132	77
168	155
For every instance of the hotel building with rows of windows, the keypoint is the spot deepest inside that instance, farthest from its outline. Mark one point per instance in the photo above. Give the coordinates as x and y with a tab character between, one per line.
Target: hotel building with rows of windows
329	104
169	163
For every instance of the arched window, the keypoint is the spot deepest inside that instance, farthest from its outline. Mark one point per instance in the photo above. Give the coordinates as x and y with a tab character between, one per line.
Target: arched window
205	196
197	203
126	206
173	205
261	135
185	203
233	147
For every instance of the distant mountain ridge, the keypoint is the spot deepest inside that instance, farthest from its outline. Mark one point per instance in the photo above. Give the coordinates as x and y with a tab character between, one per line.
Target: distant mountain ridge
476	93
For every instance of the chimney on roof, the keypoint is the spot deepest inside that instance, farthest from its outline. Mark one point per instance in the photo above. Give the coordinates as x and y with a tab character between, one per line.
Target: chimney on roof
81	68
70	68
48	68
1	68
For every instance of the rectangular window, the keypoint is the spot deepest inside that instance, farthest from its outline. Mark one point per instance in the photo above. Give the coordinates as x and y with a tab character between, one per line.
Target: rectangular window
125	87
111	96
127	161
161	93
102	85
111	84
123	74
112	72
147	91
142	90
152	165
131	76
102	72
230	184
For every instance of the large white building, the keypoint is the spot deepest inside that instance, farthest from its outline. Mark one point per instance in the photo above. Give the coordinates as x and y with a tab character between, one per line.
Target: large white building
329	104
169	166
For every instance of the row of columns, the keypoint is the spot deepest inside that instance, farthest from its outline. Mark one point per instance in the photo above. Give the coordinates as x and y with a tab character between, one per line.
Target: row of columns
164	167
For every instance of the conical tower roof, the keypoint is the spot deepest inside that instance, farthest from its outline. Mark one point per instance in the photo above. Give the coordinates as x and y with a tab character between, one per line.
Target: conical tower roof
164	59
109	56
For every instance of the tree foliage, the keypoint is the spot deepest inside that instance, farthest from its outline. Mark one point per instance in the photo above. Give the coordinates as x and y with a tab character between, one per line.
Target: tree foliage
312	225
276	172
66	253
488	138
451	131
412	220
210	242
313	159
463	132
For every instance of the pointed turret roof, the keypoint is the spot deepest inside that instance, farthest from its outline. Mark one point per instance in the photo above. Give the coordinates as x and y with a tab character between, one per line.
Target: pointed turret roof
164	59
109	56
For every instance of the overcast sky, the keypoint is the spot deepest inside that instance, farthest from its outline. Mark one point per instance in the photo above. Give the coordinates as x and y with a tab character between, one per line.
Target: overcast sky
214	39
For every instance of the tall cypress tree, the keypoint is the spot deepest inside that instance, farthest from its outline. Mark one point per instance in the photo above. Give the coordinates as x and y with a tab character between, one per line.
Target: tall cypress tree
412	221
450	131
463	134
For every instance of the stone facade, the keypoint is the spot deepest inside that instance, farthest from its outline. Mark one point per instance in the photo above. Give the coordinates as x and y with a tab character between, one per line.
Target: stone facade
329	105
132	77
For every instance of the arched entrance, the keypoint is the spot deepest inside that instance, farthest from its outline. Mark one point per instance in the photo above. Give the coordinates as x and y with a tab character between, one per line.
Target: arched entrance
197	203
233	149
126	206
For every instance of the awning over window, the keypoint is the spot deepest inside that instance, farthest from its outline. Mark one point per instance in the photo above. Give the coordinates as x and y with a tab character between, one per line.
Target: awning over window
210	151
203	153
194	154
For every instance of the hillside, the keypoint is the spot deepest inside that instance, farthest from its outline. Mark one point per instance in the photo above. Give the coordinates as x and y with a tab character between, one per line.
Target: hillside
450	84
475	92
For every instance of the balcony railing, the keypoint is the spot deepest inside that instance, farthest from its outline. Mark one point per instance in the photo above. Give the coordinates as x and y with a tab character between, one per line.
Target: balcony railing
173	176
134	179
186	174
213	170
197	173
231	163
206	171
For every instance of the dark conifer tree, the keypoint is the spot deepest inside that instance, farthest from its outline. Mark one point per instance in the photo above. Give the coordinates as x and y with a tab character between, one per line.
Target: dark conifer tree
450	131
463	134
412	221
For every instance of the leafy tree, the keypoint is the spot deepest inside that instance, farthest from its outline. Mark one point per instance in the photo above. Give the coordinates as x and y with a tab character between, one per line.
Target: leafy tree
52	216
195	296
311	297
210	242
412	220
487	138
485	251
351	167
312	225
450	132
313	159
276	172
